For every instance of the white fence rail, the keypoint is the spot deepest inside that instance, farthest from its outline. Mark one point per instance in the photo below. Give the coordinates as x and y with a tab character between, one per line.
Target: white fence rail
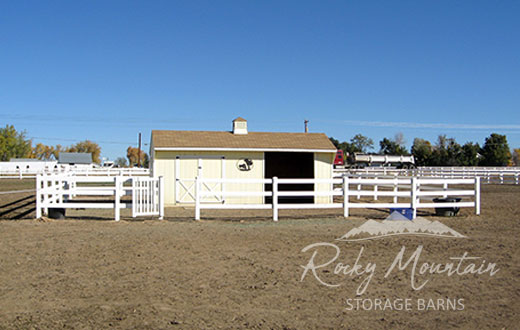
62	191
405	193
492	175
31	174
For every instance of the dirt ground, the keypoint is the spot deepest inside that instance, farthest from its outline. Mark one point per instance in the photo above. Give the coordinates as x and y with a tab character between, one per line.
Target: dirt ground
241	270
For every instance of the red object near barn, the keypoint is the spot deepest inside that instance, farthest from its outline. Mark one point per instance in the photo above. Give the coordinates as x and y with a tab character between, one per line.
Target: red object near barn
340	158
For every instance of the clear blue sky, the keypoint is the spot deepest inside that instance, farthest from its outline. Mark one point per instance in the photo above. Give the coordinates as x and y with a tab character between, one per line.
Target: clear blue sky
106	70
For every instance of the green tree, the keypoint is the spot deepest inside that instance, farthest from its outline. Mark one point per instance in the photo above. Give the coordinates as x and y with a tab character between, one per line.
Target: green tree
447	152
334	142
422	151
347	147
13	144
496	151
394	146
470	154
361	143
146	161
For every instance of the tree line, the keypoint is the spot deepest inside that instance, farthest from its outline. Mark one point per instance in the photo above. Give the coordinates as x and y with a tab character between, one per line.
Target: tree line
14	144
444	152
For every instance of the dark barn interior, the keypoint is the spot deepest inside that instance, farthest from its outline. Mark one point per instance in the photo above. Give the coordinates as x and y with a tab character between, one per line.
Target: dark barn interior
293	165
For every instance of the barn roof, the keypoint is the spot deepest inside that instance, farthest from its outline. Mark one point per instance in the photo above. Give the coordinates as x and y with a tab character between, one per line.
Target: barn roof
75	158
213	140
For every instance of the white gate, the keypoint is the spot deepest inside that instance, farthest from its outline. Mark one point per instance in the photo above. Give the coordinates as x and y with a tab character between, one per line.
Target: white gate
187	168
147	196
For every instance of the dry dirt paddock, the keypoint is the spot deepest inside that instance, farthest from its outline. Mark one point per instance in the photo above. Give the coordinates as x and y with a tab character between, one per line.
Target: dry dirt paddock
241	270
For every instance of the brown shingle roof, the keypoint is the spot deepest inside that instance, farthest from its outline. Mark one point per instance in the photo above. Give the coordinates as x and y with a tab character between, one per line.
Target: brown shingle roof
252	140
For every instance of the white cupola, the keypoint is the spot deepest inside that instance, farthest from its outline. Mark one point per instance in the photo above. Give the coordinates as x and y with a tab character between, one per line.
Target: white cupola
239	126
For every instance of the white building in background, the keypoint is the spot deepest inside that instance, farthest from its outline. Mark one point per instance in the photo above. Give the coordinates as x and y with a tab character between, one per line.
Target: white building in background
27	165
76	160
67	161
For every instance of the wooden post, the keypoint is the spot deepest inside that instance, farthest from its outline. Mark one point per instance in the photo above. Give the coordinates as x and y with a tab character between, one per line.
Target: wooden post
414	197
275	198
139	152
477	195
345	196
197	198
117	202
161	198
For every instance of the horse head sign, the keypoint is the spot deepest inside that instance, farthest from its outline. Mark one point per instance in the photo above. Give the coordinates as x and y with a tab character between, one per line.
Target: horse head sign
245	164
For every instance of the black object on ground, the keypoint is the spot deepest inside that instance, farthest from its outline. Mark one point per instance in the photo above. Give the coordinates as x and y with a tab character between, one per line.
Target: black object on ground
447	211
57	213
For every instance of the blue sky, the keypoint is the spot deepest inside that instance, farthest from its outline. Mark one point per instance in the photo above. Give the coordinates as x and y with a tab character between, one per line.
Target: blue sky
107	70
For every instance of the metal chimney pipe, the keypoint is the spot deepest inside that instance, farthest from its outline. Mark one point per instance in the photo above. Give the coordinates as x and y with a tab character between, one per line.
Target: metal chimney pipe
306	126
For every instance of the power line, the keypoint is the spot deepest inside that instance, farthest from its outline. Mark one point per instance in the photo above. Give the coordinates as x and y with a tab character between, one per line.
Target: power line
77	140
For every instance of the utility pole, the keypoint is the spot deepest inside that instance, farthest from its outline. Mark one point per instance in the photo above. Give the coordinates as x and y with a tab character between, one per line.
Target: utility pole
306	122
139	153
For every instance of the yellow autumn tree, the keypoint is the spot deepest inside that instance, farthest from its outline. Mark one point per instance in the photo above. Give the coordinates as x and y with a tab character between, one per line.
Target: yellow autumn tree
87	146
516	157
132	154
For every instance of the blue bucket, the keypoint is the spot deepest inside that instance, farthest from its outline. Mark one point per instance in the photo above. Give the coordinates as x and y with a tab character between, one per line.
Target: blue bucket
407	212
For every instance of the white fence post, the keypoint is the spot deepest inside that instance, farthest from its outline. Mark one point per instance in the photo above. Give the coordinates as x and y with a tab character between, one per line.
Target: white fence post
345	196
375	189
275	198
396	188
38	196
117	201
477	195
197	198
414	197
161	198
134	197
45	195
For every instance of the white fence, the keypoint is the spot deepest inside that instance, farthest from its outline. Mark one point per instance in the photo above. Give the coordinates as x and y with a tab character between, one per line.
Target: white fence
28	174
492	175
62	191
412	190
